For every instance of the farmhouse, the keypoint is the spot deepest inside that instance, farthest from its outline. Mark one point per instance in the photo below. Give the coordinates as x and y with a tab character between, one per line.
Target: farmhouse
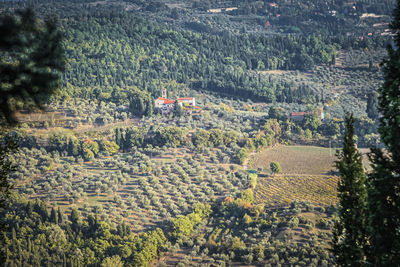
166	105
299	116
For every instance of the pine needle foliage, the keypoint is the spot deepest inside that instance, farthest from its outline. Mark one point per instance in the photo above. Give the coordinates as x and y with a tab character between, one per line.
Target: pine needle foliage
384	180
349	233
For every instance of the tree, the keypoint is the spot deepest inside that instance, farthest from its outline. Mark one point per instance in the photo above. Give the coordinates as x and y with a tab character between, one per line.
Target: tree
32	58
7	146
110	147
384	180
30	64
90	149
372	105
178	111
275	167
75	219
312	119
114	261
278	113
53	216
247	195
349	233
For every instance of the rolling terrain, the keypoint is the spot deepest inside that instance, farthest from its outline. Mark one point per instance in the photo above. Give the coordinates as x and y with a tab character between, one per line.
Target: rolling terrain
104	177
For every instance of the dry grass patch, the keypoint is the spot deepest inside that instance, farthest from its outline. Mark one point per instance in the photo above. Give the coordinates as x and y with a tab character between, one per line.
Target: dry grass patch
296	159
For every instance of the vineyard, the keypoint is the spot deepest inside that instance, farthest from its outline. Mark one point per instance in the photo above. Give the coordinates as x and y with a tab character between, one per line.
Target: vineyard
281	190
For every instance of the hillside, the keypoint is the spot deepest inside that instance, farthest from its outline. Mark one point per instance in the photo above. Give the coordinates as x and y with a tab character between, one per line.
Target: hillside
105	177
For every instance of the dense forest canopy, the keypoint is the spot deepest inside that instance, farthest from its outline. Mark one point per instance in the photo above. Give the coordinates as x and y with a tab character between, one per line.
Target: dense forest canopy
111	50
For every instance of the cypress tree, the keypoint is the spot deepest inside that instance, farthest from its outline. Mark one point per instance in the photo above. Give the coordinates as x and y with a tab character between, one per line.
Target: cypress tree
29	208
53	216
349	233
60	216
372	105
384	180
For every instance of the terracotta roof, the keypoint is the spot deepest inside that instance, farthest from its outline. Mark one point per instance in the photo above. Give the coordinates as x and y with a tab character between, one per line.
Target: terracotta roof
167	101
294	114
161	98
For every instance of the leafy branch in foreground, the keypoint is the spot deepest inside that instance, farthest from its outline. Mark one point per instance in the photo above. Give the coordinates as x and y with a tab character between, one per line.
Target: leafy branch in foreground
31	58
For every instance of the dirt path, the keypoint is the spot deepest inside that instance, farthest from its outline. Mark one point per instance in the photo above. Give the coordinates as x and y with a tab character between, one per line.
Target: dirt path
90	127
246	161
339	58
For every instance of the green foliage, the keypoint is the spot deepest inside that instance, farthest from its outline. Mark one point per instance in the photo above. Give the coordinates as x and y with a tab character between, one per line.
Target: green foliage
275	167
114	261
128	59
7	146
253	180
110	147
169	136
140	102
200	138
383	182
247	195
312	120
350	231
237	244
90	149
178	111
183	226
129	138
373	105
31	61
97	242
278	113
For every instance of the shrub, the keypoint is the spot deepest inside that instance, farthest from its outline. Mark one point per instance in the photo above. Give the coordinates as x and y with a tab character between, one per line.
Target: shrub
275	167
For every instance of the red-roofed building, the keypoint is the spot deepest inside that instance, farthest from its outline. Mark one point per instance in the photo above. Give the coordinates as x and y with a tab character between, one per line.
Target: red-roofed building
297	116
187	100
168	102
167	105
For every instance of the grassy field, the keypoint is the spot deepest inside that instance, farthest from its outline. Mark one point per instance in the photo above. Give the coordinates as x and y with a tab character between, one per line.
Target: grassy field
309	160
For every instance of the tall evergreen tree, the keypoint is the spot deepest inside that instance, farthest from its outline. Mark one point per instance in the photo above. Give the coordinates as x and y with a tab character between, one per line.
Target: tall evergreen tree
372	105
178	111
60	217
384	180
349	234
53	216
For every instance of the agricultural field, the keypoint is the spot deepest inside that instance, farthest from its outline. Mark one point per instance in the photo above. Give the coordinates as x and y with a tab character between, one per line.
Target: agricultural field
135	187
309	160
308	174
281	190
